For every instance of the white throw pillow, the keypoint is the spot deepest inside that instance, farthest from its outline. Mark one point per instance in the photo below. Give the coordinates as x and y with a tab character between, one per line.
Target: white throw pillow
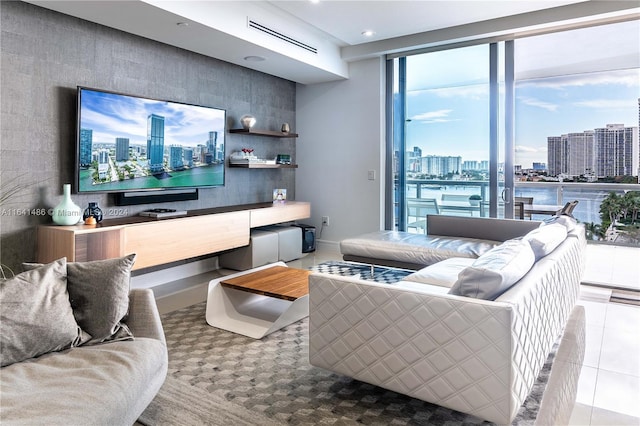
496	271
443	274
545	239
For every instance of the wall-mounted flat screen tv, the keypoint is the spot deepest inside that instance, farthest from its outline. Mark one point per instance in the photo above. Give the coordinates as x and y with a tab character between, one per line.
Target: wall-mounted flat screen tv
129	143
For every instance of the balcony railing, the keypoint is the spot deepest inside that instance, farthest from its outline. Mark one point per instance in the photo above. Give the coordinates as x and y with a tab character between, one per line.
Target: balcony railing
589	195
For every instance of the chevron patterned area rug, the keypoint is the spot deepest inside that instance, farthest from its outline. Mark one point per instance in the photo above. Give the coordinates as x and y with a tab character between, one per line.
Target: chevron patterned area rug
272	379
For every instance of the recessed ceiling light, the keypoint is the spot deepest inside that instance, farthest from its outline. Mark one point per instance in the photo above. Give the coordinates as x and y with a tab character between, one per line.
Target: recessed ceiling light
368	33
314	1
254	58
182	24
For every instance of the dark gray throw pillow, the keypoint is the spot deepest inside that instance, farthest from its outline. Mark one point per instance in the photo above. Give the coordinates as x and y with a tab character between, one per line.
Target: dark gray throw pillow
36	316
99	294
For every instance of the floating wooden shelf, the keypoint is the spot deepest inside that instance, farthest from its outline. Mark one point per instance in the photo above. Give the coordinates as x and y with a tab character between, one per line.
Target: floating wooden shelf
270	133
264	166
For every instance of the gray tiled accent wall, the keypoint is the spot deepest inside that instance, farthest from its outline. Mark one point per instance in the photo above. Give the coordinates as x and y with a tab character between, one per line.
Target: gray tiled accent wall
45	55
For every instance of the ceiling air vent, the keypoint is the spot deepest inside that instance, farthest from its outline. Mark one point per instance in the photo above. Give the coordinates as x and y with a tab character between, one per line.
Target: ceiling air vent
253	24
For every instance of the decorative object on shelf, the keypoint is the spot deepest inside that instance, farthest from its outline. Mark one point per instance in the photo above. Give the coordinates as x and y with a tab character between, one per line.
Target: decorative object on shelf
92	211
474	200
247	121
90	220
160	213
67	212
279	195
285	128
283	159
247	157
267	133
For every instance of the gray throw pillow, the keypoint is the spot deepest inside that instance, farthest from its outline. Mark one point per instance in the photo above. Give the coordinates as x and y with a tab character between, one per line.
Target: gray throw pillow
36	317
99	294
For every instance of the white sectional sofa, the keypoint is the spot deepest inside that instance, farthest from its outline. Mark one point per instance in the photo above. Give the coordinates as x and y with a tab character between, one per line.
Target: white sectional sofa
466	353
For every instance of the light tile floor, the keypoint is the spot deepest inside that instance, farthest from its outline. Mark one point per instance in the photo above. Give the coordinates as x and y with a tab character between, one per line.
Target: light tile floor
609	383
618	266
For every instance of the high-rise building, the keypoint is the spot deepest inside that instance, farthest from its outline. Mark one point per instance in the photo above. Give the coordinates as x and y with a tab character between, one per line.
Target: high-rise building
470	165
212	144
103	164
187	155
86	142
539	167
636	138
122	149
414	160
580	153
441	166
201	151
608	151
176	157
556	155
155	142
615	150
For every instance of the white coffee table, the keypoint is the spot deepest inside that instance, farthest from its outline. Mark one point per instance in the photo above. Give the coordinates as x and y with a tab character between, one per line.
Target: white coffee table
258	301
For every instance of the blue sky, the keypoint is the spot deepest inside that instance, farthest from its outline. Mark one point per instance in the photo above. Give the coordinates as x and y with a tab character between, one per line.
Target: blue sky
455	121
111	116
590	78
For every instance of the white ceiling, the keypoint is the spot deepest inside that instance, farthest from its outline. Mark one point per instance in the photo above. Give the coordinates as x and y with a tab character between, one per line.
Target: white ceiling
346	20
219	28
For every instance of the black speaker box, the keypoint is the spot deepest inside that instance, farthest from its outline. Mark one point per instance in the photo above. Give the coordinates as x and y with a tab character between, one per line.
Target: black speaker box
308	237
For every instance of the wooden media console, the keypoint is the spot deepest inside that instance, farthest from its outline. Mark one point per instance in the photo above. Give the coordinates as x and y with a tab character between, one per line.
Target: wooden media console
161	241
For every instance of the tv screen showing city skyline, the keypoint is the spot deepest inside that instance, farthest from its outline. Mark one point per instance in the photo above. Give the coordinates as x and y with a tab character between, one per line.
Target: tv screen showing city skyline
130	143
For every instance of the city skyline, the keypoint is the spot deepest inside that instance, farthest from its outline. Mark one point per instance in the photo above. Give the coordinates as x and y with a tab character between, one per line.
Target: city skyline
589	79
551	107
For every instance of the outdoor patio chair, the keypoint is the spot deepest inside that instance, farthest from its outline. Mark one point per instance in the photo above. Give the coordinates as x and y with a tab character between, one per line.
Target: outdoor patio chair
417	211
519	204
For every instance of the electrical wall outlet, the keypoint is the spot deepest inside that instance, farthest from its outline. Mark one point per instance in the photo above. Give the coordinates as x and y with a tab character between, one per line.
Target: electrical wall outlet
325	220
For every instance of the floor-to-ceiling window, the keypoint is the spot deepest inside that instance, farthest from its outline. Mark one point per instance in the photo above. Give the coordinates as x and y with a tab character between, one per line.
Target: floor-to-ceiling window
449	154
577	117
537	120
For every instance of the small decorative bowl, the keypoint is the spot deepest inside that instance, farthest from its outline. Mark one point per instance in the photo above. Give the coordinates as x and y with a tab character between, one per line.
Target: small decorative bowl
247	121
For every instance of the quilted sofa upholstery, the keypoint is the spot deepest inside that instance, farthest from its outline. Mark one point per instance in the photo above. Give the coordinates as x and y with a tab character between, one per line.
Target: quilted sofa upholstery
476	356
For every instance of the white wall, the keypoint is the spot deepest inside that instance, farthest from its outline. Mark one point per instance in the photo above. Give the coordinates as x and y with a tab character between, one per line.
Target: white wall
341	127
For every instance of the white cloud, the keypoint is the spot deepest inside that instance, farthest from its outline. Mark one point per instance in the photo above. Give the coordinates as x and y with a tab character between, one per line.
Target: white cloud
443	113
439	116
522	148
539	103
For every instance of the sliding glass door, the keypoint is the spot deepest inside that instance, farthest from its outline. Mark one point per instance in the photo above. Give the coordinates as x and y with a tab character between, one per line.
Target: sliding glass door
525	125
448	150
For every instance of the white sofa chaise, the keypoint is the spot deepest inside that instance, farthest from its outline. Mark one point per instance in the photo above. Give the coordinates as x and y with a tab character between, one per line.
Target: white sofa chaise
476	356
447	236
